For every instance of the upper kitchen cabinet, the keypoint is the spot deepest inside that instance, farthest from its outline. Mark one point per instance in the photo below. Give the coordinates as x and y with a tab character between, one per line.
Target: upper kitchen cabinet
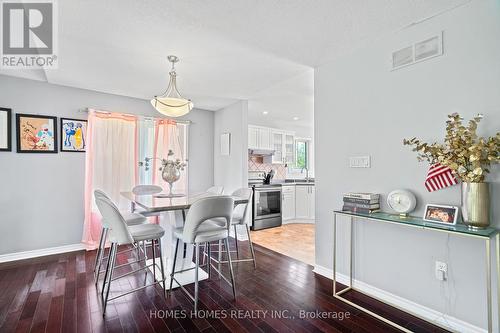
283	144
259	137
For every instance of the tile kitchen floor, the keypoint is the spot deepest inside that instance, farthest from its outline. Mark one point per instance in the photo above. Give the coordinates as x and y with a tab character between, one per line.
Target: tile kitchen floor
295	240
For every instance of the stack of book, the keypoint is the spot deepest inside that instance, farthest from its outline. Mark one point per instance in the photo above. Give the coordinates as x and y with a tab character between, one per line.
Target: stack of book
361	202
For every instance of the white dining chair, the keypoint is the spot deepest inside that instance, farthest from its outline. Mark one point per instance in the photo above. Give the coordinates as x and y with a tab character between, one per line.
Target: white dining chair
240	215
219	190
147	189
129	218
196	231
121	234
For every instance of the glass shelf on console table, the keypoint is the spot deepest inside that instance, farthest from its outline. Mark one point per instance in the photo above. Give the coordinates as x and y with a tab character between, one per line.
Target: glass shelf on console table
486	235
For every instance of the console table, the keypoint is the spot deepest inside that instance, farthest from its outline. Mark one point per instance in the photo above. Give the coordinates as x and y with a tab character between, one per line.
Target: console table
486	235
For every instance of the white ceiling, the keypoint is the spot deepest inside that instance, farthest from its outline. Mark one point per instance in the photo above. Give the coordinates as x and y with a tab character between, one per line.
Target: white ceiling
229	49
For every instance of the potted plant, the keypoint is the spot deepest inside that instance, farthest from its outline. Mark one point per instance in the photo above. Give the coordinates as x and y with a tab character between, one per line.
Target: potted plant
469	157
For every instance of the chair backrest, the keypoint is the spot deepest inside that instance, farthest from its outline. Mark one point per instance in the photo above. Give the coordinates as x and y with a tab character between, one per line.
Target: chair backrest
101	194
118	229
244	193
216	190
147	189
205	209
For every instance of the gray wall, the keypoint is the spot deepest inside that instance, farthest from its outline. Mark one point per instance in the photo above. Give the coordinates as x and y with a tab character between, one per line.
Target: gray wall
232	171
41	195
361	107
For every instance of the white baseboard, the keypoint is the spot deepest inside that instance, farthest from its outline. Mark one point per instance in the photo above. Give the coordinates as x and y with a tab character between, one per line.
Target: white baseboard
40	252
432	316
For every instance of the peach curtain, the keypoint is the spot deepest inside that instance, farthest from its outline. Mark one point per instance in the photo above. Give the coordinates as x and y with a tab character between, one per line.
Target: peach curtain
167	138
110	165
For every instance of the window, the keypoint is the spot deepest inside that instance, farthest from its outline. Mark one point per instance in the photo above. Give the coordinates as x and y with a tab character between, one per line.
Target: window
301	153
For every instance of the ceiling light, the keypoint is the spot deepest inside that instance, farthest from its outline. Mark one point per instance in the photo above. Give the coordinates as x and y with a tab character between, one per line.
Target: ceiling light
295	118
171	103
265	112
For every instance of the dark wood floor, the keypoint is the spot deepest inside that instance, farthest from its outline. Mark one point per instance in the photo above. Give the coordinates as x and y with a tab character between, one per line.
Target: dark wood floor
57	294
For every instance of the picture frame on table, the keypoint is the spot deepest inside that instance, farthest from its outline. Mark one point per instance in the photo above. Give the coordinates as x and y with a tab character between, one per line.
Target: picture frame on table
441	214
5	129
73	135
36	134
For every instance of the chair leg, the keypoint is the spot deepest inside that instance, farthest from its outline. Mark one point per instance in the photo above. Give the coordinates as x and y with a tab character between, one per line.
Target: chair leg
197	267
209	268
251	247
204	254
153	250
173	265
100	255
226	241
112	261
219	257
236	242
106	273
162	268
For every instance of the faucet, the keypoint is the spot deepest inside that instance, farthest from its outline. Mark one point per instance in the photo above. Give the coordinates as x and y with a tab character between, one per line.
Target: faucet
307	173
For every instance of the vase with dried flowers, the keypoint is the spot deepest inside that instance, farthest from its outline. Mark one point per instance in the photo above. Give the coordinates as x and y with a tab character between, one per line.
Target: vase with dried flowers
469	157
170	170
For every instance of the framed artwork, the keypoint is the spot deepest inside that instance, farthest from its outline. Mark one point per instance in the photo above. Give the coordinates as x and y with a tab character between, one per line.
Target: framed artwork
73	135
441	214
36	133
5	129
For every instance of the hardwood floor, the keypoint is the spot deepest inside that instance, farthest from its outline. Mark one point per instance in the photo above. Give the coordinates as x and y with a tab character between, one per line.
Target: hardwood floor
57	294
295	240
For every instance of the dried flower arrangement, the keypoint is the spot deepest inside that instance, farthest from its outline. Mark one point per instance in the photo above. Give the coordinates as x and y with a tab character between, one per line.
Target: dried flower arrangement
166	163
466	154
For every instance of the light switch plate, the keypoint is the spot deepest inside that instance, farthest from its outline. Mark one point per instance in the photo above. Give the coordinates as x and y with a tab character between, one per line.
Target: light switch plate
359	161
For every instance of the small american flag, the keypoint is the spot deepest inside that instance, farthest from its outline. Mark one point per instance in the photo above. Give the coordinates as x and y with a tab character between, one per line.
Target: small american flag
438	177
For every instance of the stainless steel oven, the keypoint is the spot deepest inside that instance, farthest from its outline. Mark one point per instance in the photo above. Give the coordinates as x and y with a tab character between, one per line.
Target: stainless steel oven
266	212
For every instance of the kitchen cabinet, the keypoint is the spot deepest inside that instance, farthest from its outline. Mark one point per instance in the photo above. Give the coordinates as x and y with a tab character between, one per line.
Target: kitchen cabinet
277	146
288	202
259	137
304	201
283	144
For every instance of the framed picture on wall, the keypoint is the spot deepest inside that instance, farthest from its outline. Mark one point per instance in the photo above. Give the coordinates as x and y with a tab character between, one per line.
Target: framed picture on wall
36	133
441	214
5	129
73	135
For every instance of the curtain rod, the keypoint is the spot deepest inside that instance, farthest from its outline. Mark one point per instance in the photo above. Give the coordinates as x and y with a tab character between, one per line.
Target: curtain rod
137	115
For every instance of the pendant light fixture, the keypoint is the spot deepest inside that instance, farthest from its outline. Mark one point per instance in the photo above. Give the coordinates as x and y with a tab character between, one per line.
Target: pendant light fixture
171	103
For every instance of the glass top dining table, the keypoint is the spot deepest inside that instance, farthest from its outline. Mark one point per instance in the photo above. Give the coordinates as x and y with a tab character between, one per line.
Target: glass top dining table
171	215
159	203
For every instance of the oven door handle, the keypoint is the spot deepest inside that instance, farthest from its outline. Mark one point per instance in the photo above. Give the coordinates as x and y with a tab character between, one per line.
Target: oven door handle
267	190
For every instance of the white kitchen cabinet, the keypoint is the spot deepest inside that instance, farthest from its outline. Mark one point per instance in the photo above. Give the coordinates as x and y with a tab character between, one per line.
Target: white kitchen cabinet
288	202
259	137
265	138
277	146
283	144
253	137
289	148
312	202
304	201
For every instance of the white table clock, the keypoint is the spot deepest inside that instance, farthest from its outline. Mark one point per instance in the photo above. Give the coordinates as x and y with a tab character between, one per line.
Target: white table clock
402	201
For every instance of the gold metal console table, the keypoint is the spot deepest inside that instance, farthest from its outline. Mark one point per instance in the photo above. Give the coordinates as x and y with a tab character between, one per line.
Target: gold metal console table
462	230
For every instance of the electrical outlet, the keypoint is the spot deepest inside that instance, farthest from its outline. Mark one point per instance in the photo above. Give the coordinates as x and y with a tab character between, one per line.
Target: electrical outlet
359	161
441	271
